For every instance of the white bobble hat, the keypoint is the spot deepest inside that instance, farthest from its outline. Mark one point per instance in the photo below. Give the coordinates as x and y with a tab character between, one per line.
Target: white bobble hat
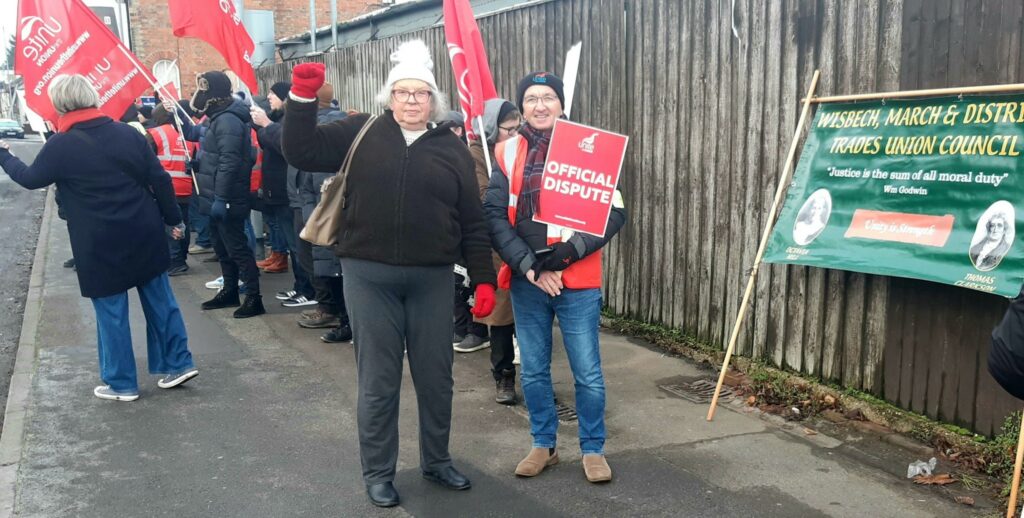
412	61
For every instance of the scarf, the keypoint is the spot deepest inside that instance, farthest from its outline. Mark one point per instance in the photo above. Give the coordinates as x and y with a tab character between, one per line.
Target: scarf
69	119
533	172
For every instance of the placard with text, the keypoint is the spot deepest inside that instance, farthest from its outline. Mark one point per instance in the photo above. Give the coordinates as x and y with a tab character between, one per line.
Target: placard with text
927	189
580	177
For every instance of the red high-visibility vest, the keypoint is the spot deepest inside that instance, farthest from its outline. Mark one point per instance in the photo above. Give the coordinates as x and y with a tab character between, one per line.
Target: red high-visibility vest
256	180
511	156
173	158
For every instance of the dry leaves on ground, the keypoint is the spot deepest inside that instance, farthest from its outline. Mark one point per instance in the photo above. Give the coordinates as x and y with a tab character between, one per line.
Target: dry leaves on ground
966	500
938	479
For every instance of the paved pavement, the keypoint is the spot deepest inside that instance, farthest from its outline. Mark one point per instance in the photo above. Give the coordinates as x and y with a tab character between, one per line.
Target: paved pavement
269	429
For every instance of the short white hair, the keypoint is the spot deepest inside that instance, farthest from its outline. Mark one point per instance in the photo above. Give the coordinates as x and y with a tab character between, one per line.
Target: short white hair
438	102
72	92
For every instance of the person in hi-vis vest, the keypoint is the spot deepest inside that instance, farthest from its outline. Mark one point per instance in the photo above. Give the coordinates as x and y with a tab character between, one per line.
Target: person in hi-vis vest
551	272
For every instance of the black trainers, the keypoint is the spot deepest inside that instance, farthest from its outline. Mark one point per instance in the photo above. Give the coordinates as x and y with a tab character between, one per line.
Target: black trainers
252	306
175	271
223	299
506	388
338	335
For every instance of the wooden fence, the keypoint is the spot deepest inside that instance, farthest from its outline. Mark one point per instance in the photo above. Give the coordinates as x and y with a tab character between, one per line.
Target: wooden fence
711	115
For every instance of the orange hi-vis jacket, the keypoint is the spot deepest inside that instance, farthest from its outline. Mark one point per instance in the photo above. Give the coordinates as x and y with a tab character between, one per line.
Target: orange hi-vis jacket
511	156
256	180
173	158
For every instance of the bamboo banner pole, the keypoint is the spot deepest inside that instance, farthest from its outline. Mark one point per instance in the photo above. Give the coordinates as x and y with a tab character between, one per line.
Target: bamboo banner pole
1015	487
769	223
1015	87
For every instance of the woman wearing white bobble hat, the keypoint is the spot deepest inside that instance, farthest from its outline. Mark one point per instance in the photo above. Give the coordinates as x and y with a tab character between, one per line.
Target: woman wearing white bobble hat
412	209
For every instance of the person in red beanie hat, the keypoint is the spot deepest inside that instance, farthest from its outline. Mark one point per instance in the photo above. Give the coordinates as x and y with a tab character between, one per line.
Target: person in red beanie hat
411	210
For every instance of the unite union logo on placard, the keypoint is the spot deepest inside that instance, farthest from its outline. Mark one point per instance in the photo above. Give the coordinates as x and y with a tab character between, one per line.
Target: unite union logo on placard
587	144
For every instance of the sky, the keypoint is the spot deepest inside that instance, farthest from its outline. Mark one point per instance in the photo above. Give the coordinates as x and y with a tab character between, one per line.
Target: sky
8	22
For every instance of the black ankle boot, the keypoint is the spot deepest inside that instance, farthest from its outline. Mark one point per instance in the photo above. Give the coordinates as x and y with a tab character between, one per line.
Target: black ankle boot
223	299
252	306
506	388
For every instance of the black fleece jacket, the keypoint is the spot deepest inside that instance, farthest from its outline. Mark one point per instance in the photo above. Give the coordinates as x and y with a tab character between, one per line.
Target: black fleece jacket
415	205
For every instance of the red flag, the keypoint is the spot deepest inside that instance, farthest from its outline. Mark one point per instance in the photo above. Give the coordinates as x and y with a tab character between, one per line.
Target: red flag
217	22
64	37
469	60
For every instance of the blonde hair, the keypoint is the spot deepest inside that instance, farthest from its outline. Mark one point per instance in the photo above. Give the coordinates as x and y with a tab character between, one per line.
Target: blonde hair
72	92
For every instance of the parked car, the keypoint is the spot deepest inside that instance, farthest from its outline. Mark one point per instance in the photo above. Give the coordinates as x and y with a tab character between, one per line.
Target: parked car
9	128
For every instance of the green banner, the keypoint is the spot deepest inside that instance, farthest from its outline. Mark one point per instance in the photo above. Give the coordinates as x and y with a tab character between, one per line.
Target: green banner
927	189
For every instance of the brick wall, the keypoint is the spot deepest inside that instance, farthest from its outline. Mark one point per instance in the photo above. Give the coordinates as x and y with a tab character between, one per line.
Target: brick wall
153	41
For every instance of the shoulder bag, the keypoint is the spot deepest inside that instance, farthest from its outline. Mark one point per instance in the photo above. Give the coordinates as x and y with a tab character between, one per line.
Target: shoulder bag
322	227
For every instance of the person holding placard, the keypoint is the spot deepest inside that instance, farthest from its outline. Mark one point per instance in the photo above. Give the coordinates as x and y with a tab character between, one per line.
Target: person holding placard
551	274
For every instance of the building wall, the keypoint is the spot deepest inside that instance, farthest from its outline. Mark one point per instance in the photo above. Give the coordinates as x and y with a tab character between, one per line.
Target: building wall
153	41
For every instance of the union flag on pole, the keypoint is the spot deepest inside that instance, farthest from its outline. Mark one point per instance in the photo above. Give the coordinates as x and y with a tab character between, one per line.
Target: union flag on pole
469	60
217	22
58	37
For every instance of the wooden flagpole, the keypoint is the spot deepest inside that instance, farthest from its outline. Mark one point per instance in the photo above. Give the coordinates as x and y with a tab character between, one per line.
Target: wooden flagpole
1015	486
769	223
960	90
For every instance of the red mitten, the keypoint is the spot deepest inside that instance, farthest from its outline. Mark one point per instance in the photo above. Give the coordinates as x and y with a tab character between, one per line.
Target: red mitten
484	301
307	78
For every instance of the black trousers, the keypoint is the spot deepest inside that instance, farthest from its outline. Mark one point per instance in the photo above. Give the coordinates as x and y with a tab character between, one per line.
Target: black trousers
400	311
179	247
461	317
503	350
236	258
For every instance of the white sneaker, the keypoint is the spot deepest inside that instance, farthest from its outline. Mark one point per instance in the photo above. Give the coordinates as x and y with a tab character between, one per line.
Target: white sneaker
218	283
105	392
515	345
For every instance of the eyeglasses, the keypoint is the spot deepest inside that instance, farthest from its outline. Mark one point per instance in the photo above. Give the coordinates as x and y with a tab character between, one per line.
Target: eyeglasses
510	131
403	96
548	100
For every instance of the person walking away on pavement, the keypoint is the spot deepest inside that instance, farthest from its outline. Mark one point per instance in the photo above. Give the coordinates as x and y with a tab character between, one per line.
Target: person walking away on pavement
174	158
412	209
225	169
550	276
328	282
501	122
278	178
119	204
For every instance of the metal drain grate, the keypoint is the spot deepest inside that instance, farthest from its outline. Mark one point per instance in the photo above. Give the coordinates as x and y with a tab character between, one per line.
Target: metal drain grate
699	391
566	413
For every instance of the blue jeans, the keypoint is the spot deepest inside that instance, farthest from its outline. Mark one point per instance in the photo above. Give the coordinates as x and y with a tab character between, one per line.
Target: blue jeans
166	340
278	243
578	313
250	236
201	224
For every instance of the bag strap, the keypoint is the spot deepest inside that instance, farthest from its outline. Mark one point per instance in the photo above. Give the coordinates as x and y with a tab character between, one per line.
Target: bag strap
343	172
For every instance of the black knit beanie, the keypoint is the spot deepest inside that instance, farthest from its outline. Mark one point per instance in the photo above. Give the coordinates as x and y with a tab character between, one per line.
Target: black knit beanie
540	78
281	89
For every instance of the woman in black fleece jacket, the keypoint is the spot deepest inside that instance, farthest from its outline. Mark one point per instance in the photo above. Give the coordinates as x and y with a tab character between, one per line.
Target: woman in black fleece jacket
412	209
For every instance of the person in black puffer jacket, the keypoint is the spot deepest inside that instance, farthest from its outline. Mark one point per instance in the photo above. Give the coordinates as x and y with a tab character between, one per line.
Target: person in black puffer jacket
223	177
412	209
